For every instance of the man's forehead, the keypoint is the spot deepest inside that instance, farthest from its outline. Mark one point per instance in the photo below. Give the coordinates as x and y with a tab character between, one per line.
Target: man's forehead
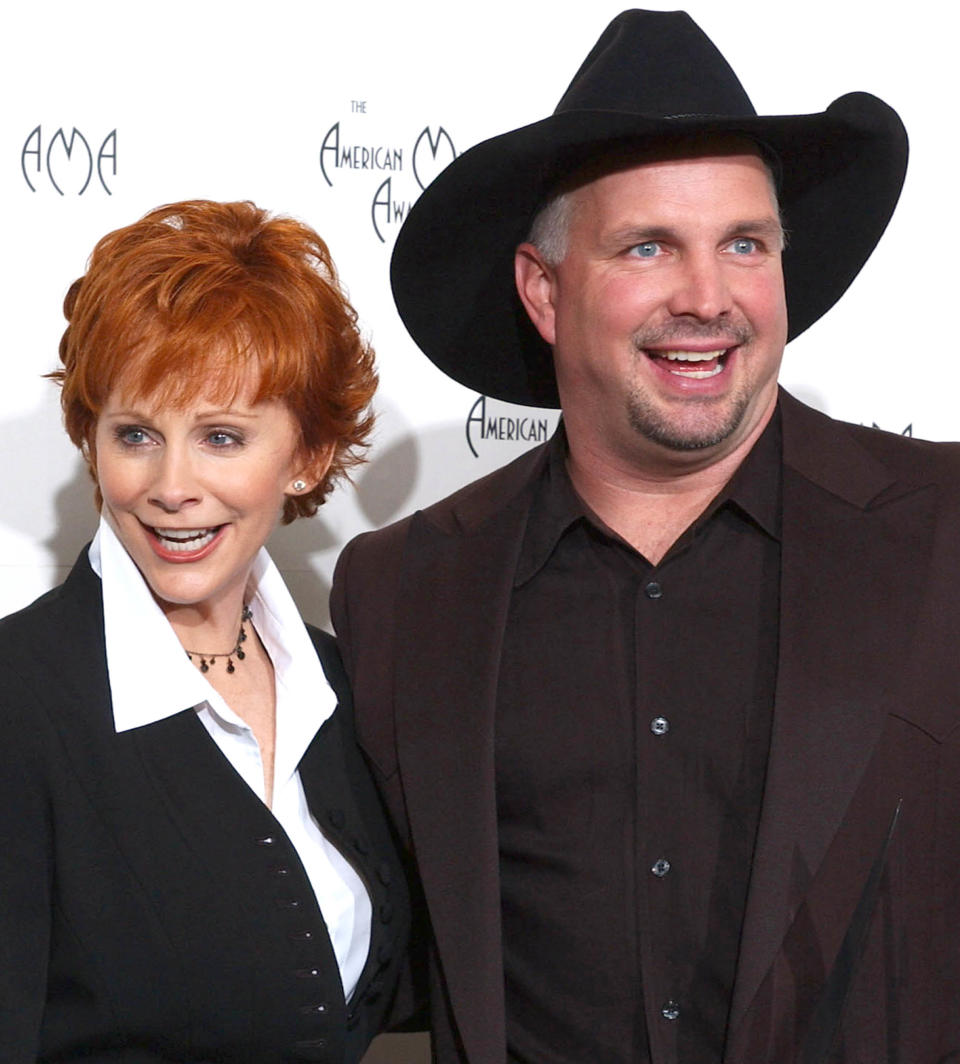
633	156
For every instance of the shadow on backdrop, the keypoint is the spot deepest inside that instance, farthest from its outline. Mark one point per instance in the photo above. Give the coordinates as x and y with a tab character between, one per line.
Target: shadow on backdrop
63	521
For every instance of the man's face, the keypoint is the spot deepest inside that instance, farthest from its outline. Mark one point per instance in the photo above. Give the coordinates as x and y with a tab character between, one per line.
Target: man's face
667	315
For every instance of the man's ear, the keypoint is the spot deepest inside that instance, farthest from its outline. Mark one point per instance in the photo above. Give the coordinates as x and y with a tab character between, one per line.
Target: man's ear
536	285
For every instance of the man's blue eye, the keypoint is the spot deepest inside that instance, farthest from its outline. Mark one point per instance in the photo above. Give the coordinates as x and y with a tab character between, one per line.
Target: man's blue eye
744	246
647	250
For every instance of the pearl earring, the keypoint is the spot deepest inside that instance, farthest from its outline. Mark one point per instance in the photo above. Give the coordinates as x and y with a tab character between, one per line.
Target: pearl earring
299	485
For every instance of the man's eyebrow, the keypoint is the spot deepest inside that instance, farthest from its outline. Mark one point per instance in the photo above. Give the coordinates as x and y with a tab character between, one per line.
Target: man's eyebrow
767	227
642	234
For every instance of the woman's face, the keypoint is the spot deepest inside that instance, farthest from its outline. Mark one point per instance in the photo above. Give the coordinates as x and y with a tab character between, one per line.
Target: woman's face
194	493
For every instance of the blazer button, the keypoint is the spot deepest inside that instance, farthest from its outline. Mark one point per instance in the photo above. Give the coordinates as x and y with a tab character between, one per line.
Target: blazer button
670	1011
384	873
360	846
386	912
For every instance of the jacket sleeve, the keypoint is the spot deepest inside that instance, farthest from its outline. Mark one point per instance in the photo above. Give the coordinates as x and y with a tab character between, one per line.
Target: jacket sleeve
338	606
363	610
26	870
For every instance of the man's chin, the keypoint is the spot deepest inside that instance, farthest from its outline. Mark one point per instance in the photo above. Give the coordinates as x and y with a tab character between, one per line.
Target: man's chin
695	430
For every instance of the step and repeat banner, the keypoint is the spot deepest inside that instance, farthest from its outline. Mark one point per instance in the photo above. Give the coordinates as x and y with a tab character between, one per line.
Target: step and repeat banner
340	115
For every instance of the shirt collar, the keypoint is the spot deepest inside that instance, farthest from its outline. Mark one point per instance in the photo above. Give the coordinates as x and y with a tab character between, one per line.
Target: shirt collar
151	677
753	490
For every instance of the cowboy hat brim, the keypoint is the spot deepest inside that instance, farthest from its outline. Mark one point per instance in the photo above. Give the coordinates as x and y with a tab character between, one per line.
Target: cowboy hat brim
841	172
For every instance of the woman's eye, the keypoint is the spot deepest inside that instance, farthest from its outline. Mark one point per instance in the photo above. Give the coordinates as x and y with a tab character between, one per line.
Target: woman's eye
220	438
131	435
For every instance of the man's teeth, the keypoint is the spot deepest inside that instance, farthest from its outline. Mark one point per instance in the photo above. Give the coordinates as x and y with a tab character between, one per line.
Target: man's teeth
185	539
695	356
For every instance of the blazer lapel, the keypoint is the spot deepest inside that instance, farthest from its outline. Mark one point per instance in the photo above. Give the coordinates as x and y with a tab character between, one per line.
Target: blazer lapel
846	614
456	588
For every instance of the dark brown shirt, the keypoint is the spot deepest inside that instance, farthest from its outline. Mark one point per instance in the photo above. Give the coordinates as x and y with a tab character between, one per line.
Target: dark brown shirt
633	725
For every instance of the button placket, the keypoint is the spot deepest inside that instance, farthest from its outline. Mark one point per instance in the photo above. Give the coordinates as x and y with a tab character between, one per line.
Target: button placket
376	881
281	874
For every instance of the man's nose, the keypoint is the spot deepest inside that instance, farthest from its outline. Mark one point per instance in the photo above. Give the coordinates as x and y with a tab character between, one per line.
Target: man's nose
175	484
702	290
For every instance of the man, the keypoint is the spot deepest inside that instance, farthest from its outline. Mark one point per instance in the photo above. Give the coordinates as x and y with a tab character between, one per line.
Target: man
667	710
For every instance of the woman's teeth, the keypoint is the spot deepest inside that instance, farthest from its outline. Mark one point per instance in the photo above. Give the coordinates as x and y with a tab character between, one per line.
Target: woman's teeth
186	540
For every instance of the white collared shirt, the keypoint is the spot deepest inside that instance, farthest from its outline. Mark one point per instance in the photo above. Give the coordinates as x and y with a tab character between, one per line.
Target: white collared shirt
141	643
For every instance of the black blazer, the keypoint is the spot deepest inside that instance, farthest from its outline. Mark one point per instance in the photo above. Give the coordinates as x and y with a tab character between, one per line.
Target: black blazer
151	907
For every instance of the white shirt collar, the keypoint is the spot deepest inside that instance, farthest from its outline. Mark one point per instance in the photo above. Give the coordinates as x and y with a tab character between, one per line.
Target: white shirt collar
151	677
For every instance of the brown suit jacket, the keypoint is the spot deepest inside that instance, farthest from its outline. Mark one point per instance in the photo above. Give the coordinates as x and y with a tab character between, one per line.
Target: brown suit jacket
851	947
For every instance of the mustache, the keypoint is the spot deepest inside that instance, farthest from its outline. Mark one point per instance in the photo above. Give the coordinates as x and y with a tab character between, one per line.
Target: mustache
732	333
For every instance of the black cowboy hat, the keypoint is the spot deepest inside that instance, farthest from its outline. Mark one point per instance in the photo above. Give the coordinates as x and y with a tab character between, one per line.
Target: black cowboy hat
651	75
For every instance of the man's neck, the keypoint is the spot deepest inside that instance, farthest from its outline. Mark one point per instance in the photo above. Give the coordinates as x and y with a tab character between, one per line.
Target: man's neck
652	507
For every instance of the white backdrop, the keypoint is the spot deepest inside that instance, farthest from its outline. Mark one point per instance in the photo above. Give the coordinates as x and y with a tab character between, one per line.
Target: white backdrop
283	102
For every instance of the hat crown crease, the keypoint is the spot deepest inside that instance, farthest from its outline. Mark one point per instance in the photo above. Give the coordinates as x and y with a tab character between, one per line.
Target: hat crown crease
659	64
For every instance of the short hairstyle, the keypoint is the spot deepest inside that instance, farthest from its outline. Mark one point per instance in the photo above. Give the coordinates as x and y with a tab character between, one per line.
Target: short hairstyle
193	296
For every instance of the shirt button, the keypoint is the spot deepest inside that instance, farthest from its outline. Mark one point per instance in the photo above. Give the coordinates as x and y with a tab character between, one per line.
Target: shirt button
660	867
670	1011
659	725
653	590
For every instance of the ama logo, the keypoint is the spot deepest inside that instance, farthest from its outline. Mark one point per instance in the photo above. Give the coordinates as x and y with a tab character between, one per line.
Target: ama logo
68	160
490	420
423	158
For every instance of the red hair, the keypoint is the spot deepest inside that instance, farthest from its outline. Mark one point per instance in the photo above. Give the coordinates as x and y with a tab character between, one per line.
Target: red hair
194	296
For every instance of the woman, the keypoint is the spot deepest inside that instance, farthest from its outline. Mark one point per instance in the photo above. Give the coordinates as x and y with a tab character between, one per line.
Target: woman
193	862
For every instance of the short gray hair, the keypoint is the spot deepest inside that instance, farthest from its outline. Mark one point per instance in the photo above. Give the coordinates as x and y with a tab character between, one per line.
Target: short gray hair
550	228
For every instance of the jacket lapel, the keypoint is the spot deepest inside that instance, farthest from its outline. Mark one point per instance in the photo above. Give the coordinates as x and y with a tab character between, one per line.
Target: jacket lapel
457	584
847	605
